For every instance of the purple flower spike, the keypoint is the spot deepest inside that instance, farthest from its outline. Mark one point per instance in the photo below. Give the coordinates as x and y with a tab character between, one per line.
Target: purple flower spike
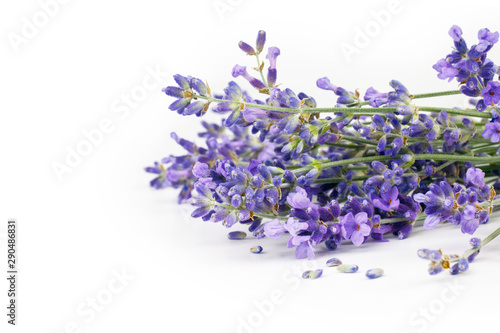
278	166
455	33
356	228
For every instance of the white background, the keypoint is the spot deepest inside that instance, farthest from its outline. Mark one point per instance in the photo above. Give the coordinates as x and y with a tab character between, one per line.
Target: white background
102	218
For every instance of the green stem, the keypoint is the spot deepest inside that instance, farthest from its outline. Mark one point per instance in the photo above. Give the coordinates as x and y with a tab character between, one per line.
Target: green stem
489	203
357	178
490	237
358	167
358	111
485	241
436	94
265	216
469	113
358	140
485	149
260	70
444	165
373	111
269	216
420	217
436	157
341	145
338	179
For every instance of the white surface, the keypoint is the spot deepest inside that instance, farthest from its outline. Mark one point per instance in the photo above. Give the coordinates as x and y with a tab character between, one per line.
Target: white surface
75	234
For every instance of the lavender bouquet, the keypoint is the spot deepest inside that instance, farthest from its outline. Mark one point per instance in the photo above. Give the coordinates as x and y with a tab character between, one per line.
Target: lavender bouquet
367	169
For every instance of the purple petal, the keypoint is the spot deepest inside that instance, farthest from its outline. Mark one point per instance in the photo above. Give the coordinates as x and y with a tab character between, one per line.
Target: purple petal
361	218
357	238
364	229
273	229
455	33
431	222
304	250
469	226
298	199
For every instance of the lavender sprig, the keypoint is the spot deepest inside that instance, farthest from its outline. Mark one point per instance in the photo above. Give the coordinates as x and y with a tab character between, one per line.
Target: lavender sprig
374	166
